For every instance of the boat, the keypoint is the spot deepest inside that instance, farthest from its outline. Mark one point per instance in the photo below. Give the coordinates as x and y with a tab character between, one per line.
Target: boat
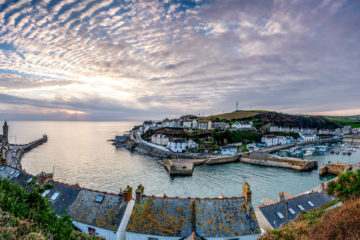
308	153
332	151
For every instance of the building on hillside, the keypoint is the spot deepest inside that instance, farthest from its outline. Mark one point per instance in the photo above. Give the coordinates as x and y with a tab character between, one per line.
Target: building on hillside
192	144
177	145
270	140
228	149
307	137
242	125
93	212
194	123
205	125
277	213
170	218
282	140
160	139
220	125
188	124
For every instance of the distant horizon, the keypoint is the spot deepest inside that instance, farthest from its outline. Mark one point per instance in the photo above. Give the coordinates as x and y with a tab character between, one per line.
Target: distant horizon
125	60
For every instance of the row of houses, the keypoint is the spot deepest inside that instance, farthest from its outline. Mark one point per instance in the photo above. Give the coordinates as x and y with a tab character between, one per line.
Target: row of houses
272	140
338	131
174	144
120	216
196	124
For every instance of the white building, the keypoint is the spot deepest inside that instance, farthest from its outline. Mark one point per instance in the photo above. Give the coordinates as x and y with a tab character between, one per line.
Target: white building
270	140
191	144
177	145
173	218
242	125
282	140
160	139
188	124
194	123
228	150
307	137
204	125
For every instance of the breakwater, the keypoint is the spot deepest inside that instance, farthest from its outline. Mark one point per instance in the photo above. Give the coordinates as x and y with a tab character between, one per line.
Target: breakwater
15	154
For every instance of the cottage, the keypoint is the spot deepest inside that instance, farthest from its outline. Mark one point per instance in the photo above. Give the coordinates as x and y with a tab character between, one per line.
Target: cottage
188	124
177	145
270	140
204	125
160	139
91	211
220	125
228	149
274	215
243	125
202	218
307	137
192	144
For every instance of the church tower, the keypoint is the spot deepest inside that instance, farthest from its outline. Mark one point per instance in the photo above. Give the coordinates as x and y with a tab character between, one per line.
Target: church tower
5	139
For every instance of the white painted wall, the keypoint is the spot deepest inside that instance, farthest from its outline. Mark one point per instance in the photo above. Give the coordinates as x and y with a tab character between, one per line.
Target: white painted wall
121	234
107	234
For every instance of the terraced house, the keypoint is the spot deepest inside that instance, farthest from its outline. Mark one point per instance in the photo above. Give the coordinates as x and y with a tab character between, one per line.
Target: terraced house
92	212
169	218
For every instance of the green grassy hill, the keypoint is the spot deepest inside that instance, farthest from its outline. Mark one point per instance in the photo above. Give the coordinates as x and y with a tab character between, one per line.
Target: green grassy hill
353	121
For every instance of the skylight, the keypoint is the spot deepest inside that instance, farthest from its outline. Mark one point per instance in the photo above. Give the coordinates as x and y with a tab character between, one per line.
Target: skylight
301	207
12	172
2	168
29	180
292	211
54	196
17	174
45	193
310	203
280	215
99	198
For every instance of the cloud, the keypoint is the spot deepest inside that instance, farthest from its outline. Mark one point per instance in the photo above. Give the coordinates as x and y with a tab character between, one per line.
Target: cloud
171	57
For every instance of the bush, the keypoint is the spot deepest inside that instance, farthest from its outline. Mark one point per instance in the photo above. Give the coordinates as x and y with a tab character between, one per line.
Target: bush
346	187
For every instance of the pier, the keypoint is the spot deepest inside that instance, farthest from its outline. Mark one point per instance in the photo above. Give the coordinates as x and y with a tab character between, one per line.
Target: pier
15	152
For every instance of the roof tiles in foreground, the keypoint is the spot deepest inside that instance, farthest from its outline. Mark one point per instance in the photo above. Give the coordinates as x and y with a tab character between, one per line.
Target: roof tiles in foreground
180	217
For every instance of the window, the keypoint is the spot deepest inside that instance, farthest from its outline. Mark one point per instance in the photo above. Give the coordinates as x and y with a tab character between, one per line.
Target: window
54	196
29	180
2	168
292	211
45	193
99	198
280	215
12	172
310	203
301	207
91	230
17	174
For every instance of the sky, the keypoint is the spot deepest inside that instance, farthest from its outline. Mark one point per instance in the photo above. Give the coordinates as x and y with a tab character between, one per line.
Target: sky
135	60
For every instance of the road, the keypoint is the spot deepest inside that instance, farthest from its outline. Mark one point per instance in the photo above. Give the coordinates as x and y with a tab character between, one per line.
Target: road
13	156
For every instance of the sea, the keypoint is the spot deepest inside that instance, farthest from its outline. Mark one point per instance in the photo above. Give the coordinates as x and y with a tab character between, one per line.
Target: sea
80	153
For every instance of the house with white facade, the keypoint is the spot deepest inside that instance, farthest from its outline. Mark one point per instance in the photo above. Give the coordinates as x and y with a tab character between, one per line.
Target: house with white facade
242	125
160	139
204	125
93	212
228	149
194	123
188	124
307	137
192	144
177	145
282	140
220	125
270	140
173	218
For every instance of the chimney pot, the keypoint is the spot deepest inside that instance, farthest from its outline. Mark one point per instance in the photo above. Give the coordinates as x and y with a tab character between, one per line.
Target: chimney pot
247	192
127	194
139	193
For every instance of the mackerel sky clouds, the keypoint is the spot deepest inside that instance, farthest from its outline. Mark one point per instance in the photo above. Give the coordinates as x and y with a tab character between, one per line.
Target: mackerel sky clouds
119	60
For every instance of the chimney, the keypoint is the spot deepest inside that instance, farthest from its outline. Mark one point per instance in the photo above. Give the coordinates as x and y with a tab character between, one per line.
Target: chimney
127	194
281	196
139	193
287	210
43	177
247	192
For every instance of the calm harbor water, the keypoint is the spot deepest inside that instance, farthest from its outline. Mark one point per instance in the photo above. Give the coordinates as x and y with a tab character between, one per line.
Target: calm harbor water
80	153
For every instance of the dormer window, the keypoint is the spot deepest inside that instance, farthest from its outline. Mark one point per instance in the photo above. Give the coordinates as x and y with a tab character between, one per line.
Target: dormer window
54	196
45	193
99	198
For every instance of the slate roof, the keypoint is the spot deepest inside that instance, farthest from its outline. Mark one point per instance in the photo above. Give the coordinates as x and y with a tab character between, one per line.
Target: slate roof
270	211
66	197
180	217
105	214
